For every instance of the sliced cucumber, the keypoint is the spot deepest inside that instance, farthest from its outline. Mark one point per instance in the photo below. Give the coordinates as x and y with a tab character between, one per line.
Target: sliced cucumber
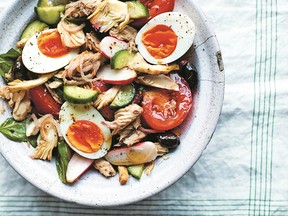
45	3
78	95
50	15
137	10
33	28
121	59
136	170
124	96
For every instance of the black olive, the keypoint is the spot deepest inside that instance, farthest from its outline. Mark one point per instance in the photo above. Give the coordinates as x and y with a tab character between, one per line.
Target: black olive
151	137
168	139
115	139
189	72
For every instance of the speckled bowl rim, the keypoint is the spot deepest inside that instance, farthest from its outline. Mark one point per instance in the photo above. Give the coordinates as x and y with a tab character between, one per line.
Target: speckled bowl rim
110	193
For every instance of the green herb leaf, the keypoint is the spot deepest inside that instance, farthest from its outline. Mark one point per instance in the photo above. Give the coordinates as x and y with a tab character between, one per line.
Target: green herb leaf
12	54
13	130
63	156
7	60
32	140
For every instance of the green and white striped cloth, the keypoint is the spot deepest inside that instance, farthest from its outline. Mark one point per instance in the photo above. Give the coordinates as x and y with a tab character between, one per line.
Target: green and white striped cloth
244	170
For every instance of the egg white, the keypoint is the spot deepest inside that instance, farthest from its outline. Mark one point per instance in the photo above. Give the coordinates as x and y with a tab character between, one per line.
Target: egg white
35	61
70	113
183	27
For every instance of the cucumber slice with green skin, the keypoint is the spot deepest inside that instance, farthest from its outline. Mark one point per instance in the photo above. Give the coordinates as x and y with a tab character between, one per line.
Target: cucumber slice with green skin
136	170
137	10
44	3
121	59
33	28
124	97
50	15
78	95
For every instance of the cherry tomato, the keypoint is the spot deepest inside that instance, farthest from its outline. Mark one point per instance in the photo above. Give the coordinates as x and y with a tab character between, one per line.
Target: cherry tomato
43	102
155	8
164	109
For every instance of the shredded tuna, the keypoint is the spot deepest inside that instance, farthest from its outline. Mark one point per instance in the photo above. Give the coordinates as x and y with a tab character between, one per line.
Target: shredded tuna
130	129
158	81
132	133
82	68
106	97
22	105
104	167
5	92
135	137
81	8
123	117
127	34
92	42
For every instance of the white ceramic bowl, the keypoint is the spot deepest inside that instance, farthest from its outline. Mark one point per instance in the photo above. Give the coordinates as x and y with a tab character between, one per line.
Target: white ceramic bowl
93	189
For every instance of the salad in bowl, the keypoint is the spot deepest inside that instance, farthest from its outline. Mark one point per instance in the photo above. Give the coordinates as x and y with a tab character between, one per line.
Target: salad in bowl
101	84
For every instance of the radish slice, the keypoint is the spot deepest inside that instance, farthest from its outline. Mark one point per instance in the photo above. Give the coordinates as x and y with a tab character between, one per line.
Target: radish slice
77	166
116	77
110	45
137	154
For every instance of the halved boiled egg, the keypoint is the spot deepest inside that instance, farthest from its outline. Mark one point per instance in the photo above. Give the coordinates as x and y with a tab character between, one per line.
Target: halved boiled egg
45	53
165	38
81	127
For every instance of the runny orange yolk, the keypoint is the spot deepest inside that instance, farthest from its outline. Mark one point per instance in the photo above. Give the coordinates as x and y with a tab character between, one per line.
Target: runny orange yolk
50	44
85	136
160	41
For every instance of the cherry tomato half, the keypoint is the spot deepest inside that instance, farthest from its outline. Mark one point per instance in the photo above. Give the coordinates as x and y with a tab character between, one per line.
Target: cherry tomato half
164	109
155	7
43	102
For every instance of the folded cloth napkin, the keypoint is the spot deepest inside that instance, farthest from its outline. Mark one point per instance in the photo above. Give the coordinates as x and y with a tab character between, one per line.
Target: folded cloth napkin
243	171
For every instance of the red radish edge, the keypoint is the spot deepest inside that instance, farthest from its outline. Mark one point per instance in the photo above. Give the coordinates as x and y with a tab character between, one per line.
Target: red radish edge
116	77
121	154
82	164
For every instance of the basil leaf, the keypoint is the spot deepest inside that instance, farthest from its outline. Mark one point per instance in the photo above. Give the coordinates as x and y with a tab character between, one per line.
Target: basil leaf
11	54
13	130
7	60
63	156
